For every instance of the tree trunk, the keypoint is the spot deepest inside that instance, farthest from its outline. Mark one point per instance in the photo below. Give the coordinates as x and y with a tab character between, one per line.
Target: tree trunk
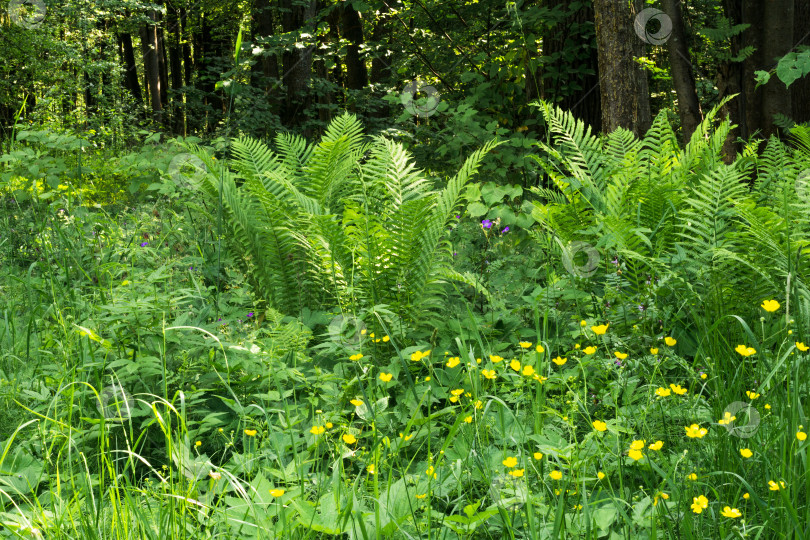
800	90
777	41
298	62
176	69
682	77
188	64
624	91
265	71
151	63
352	30
130	69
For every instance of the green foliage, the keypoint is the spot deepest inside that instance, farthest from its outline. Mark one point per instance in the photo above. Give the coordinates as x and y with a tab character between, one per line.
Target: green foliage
347	222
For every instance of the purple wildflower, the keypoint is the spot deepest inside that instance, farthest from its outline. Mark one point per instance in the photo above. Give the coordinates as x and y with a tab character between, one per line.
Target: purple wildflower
144	244
505	229
250	314
487	224
458	217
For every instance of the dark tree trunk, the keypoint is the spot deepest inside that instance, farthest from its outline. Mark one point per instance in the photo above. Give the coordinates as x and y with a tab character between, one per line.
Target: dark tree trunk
265	71
574	34
326	97
381	37
624	90
777	41
800	90
352	30
176	69
151	63
164	67
188	65
298	62
682	77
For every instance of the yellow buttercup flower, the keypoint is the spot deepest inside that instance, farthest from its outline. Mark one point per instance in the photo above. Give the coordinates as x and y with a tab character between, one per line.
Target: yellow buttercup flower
727	419
457	391
601	329
670	341
525	344
559	361
356	402
577	346
767	406
745	351
600	475
598	425
677	389
514	364
422	496
371	469
494	358
731	512
329	425
657	445
348	438
317	430
418	355
356	357
703	375
528	371
692	477
695	431
663	392
468	419
540	349
637	445
773	486
250	432
770	305
583	323
488	373
555	475
801	435
746	496
539	379
453	362
699	504
746	453
635	454
510	462
751	395
517	473
538	455
386	339
620	355
653	350
386	377
589	350
277	492
801	346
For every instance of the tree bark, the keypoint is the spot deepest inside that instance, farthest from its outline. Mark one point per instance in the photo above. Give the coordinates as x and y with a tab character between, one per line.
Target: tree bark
151	63
352	29
130	69
265	71
625	100
777	41
800	90
298	62
682	77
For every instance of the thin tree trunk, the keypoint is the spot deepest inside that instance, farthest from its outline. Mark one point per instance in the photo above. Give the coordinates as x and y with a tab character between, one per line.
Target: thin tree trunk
800	90
176	69
151	63
352	30
777	41
624	90
265	71
682	77
298	62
